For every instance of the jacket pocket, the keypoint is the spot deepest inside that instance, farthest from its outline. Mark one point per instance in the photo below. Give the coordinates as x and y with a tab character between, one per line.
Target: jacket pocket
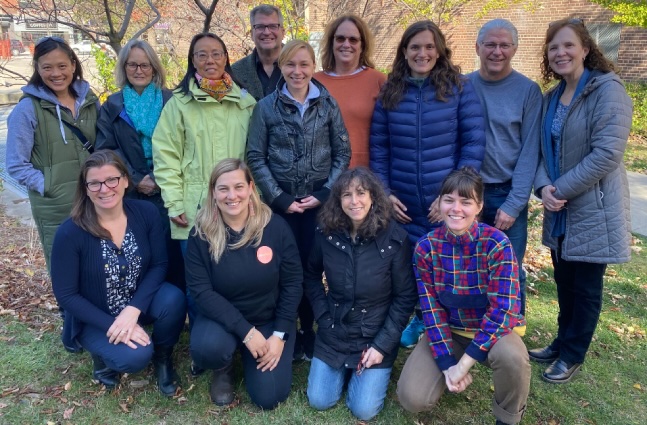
599	195
450	300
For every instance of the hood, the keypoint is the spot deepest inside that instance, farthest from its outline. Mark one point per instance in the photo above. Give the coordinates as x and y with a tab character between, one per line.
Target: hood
42	92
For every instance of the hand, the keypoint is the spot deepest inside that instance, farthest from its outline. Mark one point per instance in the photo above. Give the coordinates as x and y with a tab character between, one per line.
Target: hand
456	386
503	221
372	357
399	209
139	336
434	211
295	207
147	186
309	202
257	345
180	220
123	326
273	355
550	202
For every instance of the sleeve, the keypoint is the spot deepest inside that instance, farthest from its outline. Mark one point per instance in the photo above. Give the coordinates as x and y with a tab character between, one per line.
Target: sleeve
471	128
541	176
291	281
404	299
380	145
528	157
339	150
156	272
209	302
168	154
503	296
67	251
313	274
257	146
610	126
21	127
433	313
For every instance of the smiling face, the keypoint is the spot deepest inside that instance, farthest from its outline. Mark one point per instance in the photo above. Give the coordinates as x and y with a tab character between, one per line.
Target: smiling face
496	51
106	198
566	54
421	54
459	212
268	40
297	71
209	67
56	69
347	45
356	203
138	78
232	193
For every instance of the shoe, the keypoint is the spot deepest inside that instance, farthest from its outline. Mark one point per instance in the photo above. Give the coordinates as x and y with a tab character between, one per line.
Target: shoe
308	340
222	386
104	375
543	355
196	370
498	422
412	332
560	372
164	371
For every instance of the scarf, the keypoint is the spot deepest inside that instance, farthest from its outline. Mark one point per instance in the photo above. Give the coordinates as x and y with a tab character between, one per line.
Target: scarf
215	88
552	157
144	111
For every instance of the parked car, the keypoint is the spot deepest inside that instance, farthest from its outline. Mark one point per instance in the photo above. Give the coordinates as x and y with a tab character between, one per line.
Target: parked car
84	47
17	47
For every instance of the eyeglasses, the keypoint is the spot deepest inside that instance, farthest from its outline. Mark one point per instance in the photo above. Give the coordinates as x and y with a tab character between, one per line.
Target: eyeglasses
110	182
52	38
132	66
203	56
262	27
572	21
502	46
342	38
361	366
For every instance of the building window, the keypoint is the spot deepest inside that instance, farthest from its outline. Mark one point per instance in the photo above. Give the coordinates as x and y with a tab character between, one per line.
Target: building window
607	36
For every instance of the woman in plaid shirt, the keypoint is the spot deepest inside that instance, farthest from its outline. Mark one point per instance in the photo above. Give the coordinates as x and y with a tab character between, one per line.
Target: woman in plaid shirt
468	283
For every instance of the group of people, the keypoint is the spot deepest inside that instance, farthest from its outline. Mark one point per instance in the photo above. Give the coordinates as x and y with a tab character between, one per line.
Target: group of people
231	198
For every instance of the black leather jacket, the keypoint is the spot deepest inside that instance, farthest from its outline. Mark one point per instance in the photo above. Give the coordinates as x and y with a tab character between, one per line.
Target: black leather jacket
371	294
293	157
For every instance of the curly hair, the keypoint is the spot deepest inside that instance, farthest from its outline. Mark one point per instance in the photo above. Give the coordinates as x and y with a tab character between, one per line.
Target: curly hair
328	42
445	76
594	60
333	218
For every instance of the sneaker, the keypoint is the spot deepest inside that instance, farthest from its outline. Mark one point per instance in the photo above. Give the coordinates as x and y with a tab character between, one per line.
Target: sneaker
412	332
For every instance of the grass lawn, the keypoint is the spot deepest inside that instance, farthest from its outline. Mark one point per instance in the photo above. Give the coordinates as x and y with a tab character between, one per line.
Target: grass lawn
40	383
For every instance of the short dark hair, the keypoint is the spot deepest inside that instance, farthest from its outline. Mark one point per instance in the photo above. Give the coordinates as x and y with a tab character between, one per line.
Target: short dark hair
466	181
333	219
83	212
48	45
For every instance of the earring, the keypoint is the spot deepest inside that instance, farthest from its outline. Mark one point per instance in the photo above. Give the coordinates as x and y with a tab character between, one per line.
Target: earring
252	213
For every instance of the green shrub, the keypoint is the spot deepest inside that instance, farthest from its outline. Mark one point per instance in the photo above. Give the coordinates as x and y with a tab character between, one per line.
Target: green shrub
638	93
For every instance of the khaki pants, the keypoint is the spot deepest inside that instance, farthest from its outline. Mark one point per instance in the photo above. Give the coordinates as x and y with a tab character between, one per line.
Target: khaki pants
422	383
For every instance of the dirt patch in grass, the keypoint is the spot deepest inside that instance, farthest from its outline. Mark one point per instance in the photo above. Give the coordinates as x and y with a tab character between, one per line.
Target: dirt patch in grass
636	154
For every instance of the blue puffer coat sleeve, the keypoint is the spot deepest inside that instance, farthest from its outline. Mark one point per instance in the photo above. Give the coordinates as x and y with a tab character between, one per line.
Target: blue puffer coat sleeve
471	128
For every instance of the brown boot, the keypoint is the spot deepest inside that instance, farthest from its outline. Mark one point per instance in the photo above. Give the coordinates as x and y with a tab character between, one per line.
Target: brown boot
222	386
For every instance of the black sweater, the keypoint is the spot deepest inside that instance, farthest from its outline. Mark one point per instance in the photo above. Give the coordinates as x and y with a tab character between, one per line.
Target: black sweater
240	291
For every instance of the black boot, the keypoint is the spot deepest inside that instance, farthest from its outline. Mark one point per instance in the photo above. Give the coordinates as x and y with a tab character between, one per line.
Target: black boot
222	386
164	372
103	374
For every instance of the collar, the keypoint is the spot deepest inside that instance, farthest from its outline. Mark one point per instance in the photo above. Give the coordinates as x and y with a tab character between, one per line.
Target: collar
313	92
258	62
465	238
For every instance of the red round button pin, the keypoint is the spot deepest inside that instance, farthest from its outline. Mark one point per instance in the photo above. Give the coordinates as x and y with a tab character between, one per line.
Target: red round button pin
264	254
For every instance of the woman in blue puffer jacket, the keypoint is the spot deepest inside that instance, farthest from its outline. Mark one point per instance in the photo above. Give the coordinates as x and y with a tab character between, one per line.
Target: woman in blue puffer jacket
428	121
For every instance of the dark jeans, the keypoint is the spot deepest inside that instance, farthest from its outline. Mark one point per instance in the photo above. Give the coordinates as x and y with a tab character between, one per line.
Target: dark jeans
495	196
303	227
579	294
212	347
166	312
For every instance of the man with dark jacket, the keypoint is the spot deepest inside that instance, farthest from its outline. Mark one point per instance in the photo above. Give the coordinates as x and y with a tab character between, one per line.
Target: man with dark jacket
512	107
259	72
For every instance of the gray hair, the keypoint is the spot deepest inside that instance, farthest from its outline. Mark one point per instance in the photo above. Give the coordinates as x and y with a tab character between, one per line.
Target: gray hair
497	24
159	73
267	10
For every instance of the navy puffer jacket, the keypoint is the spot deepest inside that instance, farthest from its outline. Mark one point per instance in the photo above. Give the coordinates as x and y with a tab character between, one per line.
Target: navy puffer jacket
415	146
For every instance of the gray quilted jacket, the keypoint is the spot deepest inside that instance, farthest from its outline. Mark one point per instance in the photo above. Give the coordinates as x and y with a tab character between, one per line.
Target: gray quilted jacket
593	177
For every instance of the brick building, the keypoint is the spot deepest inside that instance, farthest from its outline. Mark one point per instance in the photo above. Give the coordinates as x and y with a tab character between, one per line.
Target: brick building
627	46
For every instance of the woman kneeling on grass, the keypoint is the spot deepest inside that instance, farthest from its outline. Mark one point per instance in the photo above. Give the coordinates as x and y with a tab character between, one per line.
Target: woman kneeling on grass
366	256
468	282
244	273
108	268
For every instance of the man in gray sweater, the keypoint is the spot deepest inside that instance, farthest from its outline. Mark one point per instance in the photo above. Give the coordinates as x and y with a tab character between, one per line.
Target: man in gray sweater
512	105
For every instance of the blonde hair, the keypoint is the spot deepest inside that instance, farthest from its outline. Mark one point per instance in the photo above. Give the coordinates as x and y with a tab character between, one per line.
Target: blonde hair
209	224
290	49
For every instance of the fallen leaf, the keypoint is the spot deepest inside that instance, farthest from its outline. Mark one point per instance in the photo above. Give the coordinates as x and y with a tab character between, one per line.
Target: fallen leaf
2	405
124	407
68	386
638	387
584	403
139	384
67	414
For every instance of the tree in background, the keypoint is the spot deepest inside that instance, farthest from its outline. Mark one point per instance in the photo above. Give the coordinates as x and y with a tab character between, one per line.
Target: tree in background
628	12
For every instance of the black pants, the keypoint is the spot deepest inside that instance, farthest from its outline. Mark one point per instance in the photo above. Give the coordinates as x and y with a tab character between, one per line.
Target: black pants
579	294
212	347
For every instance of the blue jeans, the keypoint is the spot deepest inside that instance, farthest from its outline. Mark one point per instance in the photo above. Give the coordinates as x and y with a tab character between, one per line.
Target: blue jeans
366	392
495	196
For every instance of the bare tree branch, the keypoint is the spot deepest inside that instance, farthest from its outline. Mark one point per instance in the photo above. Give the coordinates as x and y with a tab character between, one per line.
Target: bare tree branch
208	13
149	25
14	73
